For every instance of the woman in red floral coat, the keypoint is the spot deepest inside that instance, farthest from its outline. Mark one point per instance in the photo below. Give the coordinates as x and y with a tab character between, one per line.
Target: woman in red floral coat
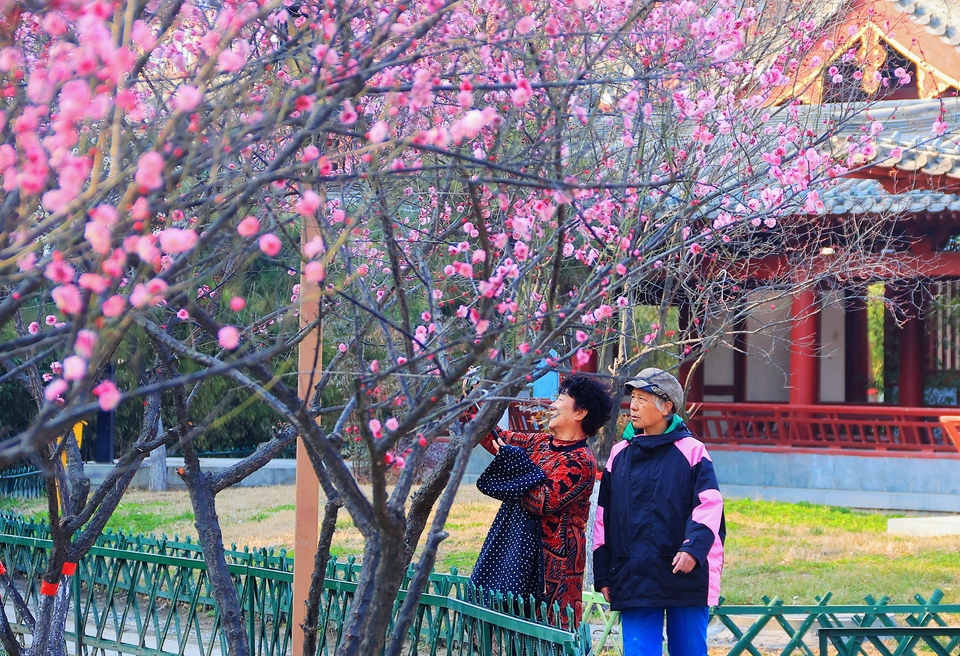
562	500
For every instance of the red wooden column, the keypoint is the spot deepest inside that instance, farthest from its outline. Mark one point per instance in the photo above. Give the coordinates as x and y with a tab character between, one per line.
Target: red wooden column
912	351
804	343
857	350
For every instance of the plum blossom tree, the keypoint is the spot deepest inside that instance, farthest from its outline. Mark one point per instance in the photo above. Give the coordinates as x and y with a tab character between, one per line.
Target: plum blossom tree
461	186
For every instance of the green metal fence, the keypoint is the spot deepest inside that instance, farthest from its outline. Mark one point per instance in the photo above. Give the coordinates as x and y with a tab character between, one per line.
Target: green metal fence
794	630
152	597
22	482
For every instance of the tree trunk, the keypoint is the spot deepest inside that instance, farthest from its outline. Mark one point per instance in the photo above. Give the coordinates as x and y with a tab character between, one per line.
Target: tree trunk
211	540
315	596
365	630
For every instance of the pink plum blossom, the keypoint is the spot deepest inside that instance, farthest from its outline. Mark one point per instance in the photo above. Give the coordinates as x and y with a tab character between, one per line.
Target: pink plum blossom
175	240
348	116
187	98
27	262
94	283
183	314
113	306
228	337
237	303
150	170
67	298
59	271
85	343
270	244
99	236
314	247
392	424
582	357
107	394
379	132
74	368
376	428
314	272
105	214
248	227
33	328
55	389
309	203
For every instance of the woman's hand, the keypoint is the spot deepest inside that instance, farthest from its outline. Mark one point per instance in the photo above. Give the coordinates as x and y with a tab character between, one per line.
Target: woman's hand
605	591
683	563
496	443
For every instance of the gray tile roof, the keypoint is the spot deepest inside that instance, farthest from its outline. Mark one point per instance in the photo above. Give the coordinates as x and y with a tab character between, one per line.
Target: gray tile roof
939	17
856	196
907	142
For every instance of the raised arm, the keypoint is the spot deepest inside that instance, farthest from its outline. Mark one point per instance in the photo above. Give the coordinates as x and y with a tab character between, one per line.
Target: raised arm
565	481
522	440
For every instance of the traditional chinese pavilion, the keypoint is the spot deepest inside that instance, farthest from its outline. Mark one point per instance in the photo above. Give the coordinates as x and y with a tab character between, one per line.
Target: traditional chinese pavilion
793	409
799	414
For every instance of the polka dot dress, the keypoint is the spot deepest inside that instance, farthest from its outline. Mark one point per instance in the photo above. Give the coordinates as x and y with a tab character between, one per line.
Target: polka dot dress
511	559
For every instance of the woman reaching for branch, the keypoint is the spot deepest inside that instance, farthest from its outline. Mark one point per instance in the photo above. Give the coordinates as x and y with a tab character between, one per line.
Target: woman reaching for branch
561	498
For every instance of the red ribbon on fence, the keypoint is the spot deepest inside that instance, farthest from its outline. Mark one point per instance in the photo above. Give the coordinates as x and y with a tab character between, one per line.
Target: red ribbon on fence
3	570
69	569
48	589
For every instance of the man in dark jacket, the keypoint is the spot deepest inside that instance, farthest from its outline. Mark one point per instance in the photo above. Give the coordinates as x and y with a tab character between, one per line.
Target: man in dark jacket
659	530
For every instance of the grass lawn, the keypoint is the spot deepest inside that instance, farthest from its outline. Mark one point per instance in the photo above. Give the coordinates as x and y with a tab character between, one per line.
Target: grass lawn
793	551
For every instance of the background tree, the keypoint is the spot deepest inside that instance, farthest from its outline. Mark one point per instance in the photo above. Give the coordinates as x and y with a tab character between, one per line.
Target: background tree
463	187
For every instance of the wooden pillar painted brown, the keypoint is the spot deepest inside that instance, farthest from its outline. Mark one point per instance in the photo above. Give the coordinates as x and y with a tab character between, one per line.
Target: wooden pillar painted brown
307	494
804	344
912	351
856	350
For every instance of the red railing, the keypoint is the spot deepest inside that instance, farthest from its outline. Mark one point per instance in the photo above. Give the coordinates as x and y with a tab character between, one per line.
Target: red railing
864	427
528	416
870	427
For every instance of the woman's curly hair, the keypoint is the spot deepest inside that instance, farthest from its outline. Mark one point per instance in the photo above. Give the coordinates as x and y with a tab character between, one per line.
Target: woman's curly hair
591	395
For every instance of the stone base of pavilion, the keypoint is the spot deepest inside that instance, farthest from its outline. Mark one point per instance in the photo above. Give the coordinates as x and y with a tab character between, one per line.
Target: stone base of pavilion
867	480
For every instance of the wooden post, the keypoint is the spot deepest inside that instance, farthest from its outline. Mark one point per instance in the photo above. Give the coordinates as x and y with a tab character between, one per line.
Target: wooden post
912	352
307	499
857	350
804	343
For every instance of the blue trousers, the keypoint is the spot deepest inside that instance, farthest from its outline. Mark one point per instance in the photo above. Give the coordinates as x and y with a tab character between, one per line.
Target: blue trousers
642	630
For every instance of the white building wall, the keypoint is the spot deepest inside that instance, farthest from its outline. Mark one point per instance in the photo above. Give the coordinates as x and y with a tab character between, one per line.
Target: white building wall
718	370
768	351
832	352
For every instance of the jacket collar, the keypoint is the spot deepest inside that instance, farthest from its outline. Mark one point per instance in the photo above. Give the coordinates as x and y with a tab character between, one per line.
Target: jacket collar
676	430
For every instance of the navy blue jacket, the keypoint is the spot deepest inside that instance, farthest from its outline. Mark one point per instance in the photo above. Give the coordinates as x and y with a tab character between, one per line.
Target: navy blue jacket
659	496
